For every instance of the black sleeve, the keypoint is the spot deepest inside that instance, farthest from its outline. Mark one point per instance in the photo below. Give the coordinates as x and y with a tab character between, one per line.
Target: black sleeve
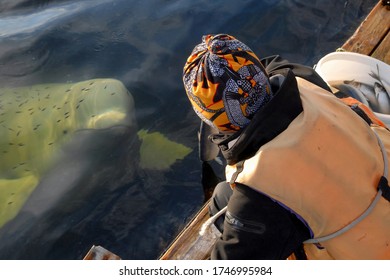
277	65
256	227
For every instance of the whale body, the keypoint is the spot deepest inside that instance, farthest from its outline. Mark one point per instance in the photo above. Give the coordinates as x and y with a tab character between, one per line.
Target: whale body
65	151
37	122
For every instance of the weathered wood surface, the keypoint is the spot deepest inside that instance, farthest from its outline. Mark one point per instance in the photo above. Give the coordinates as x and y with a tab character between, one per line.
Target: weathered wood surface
382	51
189	244
100	253
372	36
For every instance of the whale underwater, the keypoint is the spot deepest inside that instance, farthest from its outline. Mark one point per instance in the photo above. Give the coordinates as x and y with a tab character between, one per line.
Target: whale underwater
61	141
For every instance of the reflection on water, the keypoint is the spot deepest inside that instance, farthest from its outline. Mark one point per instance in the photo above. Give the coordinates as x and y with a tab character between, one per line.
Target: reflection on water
144	44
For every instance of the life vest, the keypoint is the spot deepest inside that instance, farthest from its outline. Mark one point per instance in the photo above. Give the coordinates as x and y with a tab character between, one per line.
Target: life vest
325	167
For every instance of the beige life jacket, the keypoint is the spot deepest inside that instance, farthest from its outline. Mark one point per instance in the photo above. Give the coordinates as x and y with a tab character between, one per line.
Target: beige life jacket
325	167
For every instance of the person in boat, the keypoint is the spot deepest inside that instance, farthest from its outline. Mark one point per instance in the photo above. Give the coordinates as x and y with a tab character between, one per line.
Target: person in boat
306	169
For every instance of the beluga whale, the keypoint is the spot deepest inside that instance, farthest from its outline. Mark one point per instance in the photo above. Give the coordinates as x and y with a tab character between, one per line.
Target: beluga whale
62	140
37	122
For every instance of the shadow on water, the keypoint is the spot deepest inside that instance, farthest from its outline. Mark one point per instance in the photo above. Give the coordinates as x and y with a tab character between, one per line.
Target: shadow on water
144	44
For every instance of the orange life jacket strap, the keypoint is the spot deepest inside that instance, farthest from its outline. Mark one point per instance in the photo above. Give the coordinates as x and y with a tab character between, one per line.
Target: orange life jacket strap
353	103
350	225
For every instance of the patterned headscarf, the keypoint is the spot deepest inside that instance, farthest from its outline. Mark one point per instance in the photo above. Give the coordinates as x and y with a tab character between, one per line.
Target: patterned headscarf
225	82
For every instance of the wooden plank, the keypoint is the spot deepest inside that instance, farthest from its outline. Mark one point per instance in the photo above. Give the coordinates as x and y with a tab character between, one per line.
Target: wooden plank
100	253
189	244
382	51
371	31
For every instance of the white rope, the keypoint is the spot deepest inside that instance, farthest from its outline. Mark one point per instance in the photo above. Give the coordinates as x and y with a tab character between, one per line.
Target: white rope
349	226
211	221
367	211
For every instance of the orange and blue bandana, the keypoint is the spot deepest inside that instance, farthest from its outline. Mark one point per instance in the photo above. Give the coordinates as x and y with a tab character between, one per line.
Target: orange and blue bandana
225	82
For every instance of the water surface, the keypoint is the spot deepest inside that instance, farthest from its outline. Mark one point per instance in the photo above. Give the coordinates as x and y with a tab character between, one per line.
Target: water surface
144	44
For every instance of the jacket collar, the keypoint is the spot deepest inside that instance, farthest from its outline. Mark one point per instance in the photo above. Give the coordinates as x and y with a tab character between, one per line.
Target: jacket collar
268	122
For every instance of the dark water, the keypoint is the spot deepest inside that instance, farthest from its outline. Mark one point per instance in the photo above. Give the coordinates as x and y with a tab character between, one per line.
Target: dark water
144	44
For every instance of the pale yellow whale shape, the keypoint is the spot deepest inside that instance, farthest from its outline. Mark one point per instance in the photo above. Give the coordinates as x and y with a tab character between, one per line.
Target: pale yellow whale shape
36	122
158	152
